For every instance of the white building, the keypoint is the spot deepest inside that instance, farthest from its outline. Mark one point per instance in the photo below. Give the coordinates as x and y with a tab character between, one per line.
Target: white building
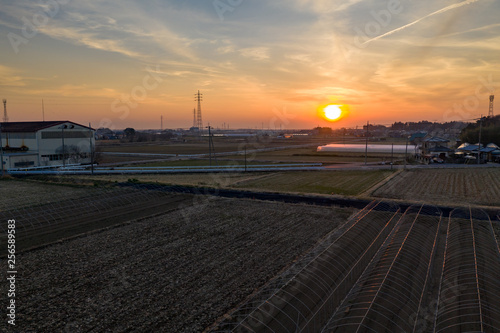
44	143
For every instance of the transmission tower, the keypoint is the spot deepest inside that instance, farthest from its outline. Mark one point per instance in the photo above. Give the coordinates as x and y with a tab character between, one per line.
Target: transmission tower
5	117
490	113
199	98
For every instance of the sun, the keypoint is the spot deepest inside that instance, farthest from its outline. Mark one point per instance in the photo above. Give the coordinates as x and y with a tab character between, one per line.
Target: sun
332	112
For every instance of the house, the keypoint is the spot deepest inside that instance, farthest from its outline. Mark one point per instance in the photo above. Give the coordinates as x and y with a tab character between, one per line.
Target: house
45	143
416	139
436	146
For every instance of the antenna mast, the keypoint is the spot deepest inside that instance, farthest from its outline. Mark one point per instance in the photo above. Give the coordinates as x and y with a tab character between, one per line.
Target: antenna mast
199	123
490	113
5	117
43	112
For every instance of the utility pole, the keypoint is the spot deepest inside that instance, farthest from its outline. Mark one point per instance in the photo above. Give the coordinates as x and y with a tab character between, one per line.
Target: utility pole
490	112
43	112
161	123
1	149
366	142
392	155
199	123
211	148
479	148
245	158
63	150
406	151
91	150
5	117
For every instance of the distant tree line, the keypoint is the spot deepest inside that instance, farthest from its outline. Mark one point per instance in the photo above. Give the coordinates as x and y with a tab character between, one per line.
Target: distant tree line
131	135
425	125
490	131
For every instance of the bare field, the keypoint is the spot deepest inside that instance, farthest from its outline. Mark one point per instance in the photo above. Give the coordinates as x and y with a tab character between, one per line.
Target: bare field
445	186
196	162
201	146
177	272
322	182
216	180
18	194
310	155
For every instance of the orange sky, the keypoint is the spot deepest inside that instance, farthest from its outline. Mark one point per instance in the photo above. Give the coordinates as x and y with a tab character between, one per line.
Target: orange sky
258	64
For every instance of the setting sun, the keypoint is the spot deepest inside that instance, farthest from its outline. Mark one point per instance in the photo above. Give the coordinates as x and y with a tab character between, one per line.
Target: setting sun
332	112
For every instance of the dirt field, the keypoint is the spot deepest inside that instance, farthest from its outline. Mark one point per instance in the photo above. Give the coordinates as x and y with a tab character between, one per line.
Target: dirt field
223	145
216	180
201	146
178	263
177	272
321	182
17	194
445	186
310	155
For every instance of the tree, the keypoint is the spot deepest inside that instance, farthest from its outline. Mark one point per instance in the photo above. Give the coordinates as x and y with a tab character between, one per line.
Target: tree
129	133
490	131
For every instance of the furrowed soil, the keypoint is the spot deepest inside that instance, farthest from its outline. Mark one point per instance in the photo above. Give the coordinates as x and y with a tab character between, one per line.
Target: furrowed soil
176	272
445	186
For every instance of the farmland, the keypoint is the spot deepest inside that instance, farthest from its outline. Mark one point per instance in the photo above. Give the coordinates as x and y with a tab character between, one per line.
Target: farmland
479	186
321	182
333	182
143	259
392	271
310	155
18	194
176	272
299	150
76	210
200	145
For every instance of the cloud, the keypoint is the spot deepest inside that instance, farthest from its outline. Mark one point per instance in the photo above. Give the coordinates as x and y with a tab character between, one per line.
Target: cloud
256	53
443	10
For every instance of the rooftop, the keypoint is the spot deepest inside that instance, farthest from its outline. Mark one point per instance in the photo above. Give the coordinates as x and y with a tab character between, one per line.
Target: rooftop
32	126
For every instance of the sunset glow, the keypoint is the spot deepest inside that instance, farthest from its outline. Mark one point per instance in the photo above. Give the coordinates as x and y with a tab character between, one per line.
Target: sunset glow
127	63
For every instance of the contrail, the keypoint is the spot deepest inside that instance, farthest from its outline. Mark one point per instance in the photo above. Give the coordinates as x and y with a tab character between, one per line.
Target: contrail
457	5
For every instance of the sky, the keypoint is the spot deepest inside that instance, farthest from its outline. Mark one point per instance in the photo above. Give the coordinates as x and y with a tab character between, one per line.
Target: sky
258	63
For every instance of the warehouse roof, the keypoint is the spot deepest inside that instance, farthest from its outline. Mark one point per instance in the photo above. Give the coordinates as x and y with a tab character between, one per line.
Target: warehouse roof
32	126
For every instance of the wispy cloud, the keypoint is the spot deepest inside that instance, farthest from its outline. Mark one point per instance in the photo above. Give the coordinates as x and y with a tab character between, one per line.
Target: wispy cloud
9	77
443	10
256	53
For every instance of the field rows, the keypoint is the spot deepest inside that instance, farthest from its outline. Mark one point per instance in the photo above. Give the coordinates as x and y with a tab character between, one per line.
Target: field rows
177	272
452	186
388	272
